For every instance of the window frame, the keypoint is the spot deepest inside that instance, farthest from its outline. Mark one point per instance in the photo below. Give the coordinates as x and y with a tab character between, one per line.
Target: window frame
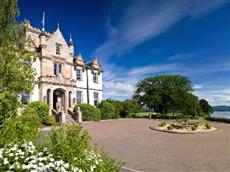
95	98
55	71
95	78
80	74
25	96
58	49
81	97
59	68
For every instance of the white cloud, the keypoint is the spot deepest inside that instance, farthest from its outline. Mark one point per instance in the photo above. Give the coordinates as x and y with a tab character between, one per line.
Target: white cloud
119	89
197	86
215	96
180	56
121	82
144	20
139	22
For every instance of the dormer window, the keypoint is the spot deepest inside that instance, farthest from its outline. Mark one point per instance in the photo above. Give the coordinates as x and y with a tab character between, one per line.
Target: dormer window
79	74
95	78
58	48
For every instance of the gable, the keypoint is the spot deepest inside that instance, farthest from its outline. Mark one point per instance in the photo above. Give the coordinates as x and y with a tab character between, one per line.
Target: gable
53	40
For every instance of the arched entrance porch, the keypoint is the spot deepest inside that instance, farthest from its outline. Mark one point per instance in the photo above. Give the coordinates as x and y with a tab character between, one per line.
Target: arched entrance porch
59	93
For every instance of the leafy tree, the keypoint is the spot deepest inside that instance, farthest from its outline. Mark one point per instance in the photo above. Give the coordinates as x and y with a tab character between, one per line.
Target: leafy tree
125	108
162	93
205	107
130	107
191	105
15	74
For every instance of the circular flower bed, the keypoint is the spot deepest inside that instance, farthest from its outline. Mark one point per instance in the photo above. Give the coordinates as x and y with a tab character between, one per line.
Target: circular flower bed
185	126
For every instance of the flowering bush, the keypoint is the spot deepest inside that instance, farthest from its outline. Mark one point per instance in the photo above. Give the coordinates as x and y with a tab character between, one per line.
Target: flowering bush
71	143
26	157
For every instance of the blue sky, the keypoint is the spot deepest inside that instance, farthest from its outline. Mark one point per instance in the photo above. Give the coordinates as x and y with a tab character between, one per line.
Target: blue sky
134	39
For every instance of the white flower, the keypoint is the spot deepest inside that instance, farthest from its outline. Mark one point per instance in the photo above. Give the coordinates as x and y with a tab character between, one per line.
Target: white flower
5	161
11	154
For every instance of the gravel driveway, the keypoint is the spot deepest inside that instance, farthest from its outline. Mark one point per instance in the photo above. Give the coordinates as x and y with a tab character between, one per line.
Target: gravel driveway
146	150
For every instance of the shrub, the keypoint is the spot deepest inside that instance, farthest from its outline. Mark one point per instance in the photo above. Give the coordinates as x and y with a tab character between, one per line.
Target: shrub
71	144
8	105
42	111
208	126
193	128
203	115
50	120
89	112
130	107
26	157
219	119
170	127
107	110
162	124
19	129
118	107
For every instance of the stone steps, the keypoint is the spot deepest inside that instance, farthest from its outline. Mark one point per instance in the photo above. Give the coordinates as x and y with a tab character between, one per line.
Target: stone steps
69	119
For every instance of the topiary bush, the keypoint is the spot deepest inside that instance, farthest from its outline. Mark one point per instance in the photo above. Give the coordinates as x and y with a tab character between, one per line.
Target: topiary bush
89	112
107	110
208	126
162	124
193	128
19	129
170	127
42	111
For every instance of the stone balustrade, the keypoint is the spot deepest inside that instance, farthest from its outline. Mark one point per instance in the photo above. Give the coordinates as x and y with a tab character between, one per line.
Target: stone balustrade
57	80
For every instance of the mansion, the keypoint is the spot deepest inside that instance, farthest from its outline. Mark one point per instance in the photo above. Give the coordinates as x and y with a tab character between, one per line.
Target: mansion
59	73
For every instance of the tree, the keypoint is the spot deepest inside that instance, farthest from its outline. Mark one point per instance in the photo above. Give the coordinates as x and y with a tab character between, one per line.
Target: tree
130	107
15	74
191	105
205	107
162	93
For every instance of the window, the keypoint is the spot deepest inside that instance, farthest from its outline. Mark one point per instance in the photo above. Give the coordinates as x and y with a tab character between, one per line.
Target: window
79	74
60	68
95	78
95	97
79	97
58	49
25	97
55	68
27	61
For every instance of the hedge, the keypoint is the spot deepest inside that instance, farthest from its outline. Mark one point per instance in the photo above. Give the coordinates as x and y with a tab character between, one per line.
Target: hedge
89	112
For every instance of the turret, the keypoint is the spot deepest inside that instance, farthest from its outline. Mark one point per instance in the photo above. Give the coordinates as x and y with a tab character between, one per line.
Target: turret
42	35
71	46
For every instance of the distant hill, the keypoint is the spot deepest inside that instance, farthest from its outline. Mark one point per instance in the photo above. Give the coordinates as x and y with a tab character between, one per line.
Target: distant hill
221	108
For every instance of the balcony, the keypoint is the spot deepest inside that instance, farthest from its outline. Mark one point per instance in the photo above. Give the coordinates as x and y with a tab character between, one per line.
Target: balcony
57	80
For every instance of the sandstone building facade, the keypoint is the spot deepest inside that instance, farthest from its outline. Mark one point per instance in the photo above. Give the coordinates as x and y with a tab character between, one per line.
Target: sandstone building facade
59	73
